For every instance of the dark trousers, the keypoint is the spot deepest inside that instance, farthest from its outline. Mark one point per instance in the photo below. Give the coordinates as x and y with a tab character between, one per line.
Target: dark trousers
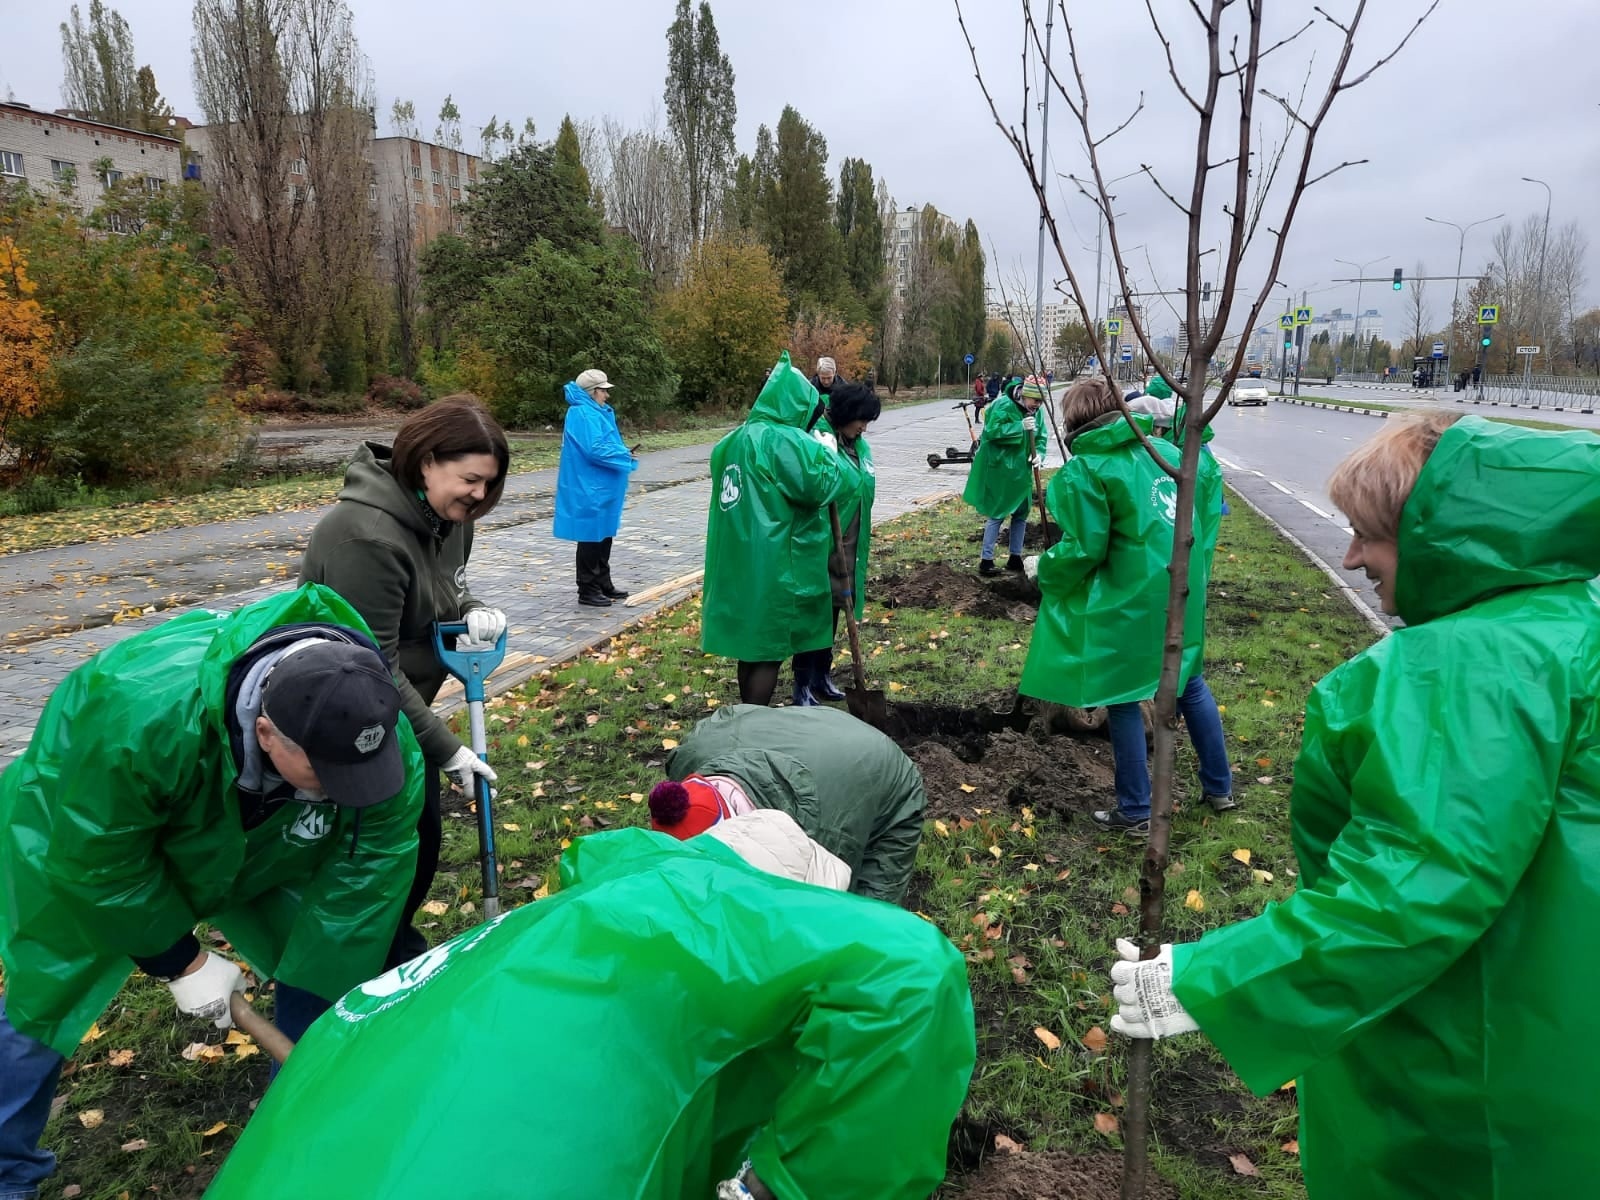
816	662
594	567
408	940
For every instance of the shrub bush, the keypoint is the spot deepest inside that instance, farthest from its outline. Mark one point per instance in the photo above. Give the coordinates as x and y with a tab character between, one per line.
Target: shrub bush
396	391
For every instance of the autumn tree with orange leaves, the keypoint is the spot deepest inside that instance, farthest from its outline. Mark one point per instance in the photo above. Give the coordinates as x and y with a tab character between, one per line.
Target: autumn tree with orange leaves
25	339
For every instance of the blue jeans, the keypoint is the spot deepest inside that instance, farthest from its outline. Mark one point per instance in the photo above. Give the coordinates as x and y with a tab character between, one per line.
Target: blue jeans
29	1072
1132	760
293	1011
1019	530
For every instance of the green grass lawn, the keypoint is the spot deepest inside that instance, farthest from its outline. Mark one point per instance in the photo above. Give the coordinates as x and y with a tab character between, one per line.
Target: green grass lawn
1013	871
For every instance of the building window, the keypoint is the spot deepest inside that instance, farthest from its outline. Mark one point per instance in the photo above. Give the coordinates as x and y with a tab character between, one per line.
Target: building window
11	164
154	185
110	178
455	182
114	223
62	172
372	192
438	177
416	171
297	193
297	167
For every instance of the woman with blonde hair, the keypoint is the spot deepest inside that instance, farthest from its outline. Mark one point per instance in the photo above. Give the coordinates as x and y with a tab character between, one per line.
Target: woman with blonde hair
1426	984
1104	587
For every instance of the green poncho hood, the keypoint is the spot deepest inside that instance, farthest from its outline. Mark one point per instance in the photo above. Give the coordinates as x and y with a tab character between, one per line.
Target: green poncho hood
1498	507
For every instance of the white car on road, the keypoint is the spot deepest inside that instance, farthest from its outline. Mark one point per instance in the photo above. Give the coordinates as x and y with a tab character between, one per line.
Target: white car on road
1248	391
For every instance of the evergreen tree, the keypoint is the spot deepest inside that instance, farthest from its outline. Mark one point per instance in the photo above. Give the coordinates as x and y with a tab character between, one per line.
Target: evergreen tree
570	155
796	213
101	79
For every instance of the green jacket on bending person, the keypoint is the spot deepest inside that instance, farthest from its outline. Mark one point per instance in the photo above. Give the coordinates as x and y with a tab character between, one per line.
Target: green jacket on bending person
123	825
1002	475
767	533
850	787
670	1012
1427	983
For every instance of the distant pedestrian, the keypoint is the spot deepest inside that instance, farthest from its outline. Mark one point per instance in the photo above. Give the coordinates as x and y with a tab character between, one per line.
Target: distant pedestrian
1013	442
991	386
592	484
978	392
827	375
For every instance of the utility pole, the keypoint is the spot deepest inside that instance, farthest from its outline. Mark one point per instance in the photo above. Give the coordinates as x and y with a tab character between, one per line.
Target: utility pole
1299	341
1455	292
1544	244
1361	270
1044	154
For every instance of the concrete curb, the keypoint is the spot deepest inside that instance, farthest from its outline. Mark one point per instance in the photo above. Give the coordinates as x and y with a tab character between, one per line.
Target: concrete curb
1365	610
1366	412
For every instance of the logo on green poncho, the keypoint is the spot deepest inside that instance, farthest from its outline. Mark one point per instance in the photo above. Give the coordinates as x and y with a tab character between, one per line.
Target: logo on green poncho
1164	499
388	989
313	824
732	487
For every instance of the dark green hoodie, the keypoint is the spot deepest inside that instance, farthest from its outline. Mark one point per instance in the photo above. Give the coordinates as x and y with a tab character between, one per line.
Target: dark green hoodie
402	569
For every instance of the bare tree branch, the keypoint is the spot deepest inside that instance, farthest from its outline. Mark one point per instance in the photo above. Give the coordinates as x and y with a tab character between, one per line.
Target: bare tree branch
1172	67
1367	74
1145	167
1316	179
1278	45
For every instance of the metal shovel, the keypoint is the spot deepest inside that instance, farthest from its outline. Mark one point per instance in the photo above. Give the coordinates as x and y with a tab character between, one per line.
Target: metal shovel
864	705
472	668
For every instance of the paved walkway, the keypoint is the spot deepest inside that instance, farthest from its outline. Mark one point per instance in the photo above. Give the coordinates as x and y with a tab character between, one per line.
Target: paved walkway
50	596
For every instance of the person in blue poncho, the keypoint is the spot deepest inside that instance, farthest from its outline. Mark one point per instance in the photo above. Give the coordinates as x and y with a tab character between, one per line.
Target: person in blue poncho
591	484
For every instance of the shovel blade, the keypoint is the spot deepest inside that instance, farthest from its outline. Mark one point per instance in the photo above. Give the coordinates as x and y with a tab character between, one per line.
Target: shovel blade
869	706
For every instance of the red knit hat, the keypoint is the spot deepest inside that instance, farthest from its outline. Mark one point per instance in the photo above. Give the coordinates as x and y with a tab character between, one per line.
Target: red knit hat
685	809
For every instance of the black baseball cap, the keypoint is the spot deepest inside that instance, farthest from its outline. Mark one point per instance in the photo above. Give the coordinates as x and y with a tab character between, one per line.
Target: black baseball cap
339	704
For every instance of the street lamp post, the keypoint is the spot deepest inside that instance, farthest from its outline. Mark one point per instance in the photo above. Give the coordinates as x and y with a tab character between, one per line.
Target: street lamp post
1361	270
1544	244
1461	246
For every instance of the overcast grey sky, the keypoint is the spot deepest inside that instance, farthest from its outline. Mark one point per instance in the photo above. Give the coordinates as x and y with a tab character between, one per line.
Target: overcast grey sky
1487	92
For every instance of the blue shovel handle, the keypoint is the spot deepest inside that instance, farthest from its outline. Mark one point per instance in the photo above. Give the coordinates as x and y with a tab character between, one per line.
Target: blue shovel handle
472	668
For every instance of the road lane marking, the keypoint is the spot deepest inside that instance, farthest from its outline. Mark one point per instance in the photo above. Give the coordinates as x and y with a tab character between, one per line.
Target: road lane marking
1280	487
1327	516
1232	466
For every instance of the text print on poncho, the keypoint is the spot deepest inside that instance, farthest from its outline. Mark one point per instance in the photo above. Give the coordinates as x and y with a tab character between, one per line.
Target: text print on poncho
403	981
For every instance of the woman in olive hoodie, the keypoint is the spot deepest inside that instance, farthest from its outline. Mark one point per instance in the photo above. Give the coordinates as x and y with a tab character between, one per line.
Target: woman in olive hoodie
395	545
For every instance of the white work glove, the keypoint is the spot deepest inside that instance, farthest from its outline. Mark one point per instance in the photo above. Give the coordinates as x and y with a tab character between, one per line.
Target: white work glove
1143	989
485	625
1030	422
464	765
1036	461
205	993
1030	566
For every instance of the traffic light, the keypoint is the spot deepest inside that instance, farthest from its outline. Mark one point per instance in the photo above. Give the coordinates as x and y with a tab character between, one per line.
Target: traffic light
1205	293
1288	343
1485	340
1399	276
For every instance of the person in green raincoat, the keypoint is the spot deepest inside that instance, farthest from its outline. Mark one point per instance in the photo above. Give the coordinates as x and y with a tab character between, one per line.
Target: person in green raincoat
670	1013
850	787
852	407
1000	485
1427	985
250	769
767	595
1103	615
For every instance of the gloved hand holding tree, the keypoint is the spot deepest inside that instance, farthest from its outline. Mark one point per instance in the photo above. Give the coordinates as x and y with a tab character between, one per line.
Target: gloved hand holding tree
1143	989
204	990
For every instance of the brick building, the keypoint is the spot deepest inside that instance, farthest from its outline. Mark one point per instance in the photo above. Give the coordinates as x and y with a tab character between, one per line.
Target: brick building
79	158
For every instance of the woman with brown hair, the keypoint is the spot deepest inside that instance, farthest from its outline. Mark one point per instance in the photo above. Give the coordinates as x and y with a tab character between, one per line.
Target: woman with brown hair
395	545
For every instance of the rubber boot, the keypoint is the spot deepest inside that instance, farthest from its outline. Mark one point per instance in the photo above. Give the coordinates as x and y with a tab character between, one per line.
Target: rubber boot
1014	563
822	684
803	697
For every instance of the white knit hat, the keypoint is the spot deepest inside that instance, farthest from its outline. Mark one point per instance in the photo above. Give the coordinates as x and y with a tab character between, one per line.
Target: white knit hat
592	379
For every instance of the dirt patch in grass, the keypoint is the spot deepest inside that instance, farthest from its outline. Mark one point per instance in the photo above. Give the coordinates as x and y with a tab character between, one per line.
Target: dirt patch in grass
1008	766
1019	1175
1199	1113
1009	596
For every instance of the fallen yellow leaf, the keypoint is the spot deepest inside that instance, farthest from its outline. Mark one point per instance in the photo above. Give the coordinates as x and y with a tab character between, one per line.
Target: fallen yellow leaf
246	1049
120	1058
669	743
941	829
136	1144
214	1130
522	740
1291	1147
91	1118
968	788
1262	876
237	1037
1094	1040
1051	1041
436	908
1105	1123
94	1035
1195	900
511	827
995	850
1242	855
897	687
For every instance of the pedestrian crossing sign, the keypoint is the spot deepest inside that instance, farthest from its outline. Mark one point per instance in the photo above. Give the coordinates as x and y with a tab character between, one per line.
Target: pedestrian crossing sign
1286	321
1302	316
1113	325
1488	314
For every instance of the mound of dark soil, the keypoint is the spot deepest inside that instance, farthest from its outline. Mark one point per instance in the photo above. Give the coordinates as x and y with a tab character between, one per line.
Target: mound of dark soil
1070	774
1009	596
1019	1175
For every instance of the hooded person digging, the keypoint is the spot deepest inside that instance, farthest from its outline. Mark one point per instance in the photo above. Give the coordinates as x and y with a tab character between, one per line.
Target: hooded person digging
850	787
681	1020
251	770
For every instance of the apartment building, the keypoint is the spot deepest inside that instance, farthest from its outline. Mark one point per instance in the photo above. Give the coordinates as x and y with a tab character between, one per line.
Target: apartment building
79	159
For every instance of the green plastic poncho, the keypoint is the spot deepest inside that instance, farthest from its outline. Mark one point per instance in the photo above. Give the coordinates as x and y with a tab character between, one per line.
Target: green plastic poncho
767	595
847	785
1001	480
858	489
1104	609
120	830
634	1037
1430	983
